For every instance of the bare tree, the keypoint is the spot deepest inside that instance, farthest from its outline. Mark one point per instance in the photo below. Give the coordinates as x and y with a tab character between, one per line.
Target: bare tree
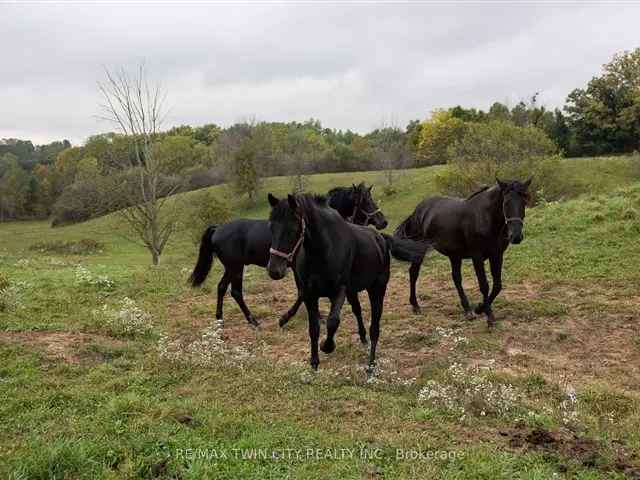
137	109
390	153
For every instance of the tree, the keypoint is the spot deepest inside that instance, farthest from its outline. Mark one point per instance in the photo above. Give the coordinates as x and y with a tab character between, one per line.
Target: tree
245	177
436	135
136	108
496	148
14	190
606	114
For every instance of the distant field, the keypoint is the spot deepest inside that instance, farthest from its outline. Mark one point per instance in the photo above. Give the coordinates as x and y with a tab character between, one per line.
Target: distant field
96	386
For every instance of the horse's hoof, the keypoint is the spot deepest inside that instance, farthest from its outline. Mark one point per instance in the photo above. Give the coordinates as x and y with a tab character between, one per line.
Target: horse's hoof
283	320
252	321
491	322
469	315
371	370
220	323
479	309
322	320
328	346
363	340
314	365
417	310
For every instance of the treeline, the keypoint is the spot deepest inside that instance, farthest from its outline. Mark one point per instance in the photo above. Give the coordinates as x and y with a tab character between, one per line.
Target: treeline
72	183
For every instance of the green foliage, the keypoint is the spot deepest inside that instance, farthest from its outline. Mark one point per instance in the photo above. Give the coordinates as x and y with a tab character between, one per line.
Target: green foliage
501	149
436	136
245	178
205	209
84	246
606	114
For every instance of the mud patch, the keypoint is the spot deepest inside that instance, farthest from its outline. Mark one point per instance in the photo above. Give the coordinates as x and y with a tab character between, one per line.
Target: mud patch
573	449
66	346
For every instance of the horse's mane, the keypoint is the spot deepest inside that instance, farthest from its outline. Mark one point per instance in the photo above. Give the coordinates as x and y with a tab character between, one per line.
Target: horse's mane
478	192
346	191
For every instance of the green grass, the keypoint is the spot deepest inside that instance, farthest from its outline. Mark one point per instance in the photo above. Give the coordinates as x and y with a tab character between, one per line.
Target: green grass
114	412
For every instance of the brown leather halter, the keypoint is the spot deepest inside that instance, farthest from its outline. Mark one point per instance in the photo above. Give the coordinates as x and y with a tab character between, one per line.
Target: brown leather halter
289	256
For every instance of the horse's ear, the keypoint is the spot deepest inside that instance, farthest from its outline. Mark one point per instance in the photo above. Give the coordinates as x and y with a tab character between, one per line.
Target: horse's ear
273	201
353	185
371	187
527	183
501	184
293	204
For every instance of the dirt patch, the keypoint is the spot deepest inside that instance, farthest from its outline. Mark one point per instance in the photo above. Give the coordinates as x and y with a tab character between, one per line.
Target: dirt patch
595	337
574	449
67	346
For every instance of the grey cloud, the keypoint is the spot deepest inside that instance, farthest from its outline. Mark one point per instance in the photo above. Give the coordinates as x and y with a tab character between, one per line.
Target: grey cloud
351	67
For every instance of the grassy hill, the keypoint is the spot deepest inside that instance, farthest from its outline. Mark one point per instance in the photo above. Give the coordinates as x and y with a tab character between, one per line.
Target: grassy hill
109	367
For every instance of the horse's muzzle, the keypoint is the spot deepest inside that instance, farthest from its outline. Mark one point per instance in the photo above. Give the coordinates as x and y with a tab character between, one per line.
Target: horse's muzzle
516	239
277	269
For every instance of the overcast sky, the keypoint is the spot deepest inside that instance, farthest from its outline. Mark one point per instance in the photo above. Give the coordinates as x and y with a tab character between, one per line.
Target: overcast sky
357	66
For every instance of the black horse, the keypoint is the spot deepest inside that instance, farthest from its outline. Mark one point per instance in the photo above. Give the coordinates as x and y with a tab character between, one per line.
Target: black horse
480	227
334	259
246	242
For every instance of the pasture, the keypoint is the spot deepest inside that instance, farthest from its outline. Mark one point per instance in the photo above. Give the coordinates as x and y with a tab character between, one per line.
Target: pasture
111	368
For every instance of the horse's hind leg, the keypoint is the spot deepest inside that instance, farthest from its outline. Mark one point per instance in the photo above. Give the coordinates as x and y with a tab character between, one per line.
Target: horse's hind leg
414	273
223	284
294	308
456	274
291	312
333	321
236	293
352	298
376	298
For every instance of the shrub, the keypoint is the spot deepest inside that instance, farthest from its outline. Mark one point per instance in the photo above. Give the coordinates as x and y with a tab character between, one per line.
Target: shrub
206	209
502	149
85	246
436	135
635	165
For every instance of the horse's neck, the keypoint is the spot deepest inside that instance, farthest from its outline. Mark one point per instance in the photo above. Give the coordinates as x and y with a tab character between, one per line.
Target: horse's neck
318	222
342	202
492	203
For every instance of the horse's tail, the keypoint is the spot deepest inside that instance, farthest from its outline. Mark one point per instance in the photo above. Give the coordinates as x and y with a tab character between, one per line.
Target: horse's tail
205	258
407	250
408	229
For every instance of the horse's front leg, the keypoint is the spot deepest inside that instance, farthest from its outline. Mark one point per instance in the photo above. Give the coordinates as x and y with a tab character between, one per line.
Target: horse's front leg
236	293
333	320
478	265
311	303
495	263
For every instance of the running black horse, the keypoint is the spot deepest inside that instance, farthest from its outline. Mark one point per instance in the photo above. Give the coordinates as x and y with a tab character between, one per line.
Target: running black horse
246	242
480	228
334	259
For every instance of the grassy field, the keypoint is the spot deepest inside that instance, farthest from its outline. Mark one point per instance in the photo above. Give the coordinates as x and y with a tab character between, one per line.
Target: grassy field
111	368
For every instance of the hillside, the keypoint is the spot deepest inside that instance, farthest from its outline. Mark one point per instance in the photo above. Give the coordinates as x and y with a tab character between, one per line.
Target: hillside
126	354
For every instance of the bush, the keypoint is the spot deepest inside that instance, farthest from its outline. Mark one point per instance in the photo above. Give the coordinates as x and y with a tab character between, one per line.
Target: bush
206	210
85	246
505	150
635	165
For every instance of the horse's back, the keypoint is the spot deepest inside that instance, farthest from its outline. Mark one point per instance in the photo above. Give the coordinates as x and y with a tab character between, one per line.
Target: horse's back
444	221
243	241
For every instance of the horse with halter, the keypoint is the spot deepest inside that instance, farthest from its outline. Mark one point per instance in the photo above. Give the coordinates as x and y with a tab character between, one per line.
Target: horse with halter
335	259
243	242
480	227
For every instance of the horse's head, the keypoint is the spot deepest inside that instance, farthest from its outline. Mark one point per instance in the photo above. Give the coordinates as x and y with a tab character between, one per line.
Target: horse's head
287	226
514	200
366	212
